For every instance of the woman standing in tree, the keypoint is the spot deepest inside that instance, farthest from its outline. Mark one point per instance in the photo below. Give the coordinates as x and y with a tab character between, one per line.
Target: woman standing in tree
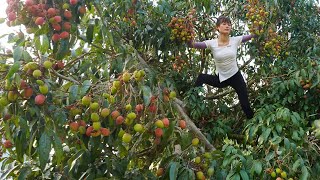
224	51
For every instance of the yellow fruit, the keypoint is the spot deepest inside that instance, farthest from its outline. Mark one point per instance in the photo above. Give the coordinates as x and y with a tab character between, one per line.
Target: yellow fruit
159	124
128	107
273	174
278	171
86	100
284	175
126	77
105	112
195	141
96	125
197	160
200	175
172	94
126	137
138	127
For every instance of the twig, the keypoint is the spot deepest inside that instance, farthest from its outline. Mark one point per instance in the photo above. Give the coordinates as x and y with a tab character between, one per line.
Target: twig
64	77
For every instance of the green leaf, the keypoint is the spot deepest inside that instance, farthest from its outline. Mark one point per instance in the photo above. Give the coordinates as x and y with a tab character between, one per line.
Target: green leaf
73	92
84	88
17	53
44	149
73	160
14	68
244	175
296	165
26	56
44	44
24	173
58	149
305	173
89	33
146	95
173	171
20	145
257	167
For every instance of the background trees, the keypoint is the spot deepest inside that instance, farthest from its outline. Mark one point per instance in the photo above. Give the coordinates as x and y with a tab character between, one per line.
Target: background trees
89	91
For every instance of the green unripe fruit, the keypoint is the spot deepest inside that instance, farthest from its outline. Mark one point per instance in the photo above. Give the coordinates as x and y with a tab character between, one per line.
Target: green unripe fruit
131	116
284	175
273	174
126	77
65	6
172	94
128	107
47	64
200	175
12	96
94	106
96	125
278	170
159	124
86	100
111	99
39	82
95	117
36	73
43	89
210	171
126	137
195	141
207	155
197	160
105	112
116	84
113	90
142	73
138	127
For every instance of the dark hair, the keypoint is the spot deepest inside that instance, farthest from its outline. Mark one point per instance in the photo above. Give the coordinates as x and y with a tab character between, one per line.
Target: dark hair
223	19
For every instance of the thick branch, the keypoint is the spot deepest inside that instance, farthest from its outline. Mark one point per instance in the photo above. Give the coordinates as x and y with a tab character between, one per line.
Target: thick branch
193	128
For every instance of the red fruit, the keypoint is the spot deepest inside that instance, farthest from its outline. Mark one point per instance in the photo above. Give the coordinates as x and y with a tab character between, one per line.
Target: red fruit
67	26
82	123
39	21
159	172
7	144
27	92
29	2
39	99
119	120
57	19
7	117
115	114
55	37
153	99
74	126
56	27
95	133
182	124
89	130
105	131
82	10
157	140
12	16
67	14
158	132
166	122
139	107
60	65
51	12
23	84
73	2
64	35
153	108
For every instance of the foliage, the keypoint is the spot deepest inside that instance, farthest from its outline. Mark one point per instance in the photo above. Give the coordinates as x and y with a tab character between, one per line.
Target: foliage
71	97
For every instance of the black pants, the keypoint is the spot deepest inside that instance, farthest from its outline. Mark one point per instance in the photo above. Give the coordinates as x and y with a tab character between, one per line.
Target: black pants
236	82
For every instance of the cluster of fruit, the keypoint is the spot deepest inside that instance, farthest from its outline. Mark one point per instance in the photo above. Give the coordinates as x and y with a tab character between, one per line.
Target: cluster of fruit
130	16
34	13
258	23
182	28
202	162
279	174
178	63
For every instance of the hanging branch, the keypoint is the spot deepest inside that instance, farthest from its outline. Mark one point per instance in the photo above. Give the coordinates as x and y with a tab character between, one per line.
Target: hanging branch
64	77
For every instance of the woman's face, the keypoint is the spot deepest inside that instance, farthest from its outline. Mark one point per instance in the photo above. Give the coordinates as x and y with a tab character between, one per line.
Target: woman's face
224	28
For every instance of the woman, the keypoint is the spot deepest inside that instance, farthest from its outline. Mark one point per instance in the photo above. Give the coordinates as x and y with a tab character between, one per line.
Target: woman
224	50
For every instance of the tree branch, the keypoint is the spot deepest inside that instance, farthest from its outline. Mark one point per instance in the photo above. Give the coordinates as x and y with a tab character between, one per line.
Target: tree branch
64	77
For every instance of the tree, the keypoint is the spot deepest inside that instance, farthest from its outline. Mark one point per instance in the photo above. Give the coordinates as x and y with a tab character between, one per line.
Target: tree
103	90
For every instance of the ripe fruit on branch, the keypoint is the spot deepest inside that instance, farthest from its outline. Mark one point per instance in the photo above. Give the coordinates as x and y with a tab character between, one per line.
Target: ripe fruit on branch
73	2
27	92
166	122
67	14
139	107
158	132
39	21
119	120
7	144
82	10
160	172
39	99
55	37
105	131
56	27
115	114
64	35
67	26
182	124
74	126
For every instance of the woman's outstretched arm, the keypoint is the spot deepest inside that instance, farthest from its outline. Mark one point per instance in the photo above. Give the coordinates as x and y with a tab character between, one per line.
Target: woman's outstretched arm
198	45
246	38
